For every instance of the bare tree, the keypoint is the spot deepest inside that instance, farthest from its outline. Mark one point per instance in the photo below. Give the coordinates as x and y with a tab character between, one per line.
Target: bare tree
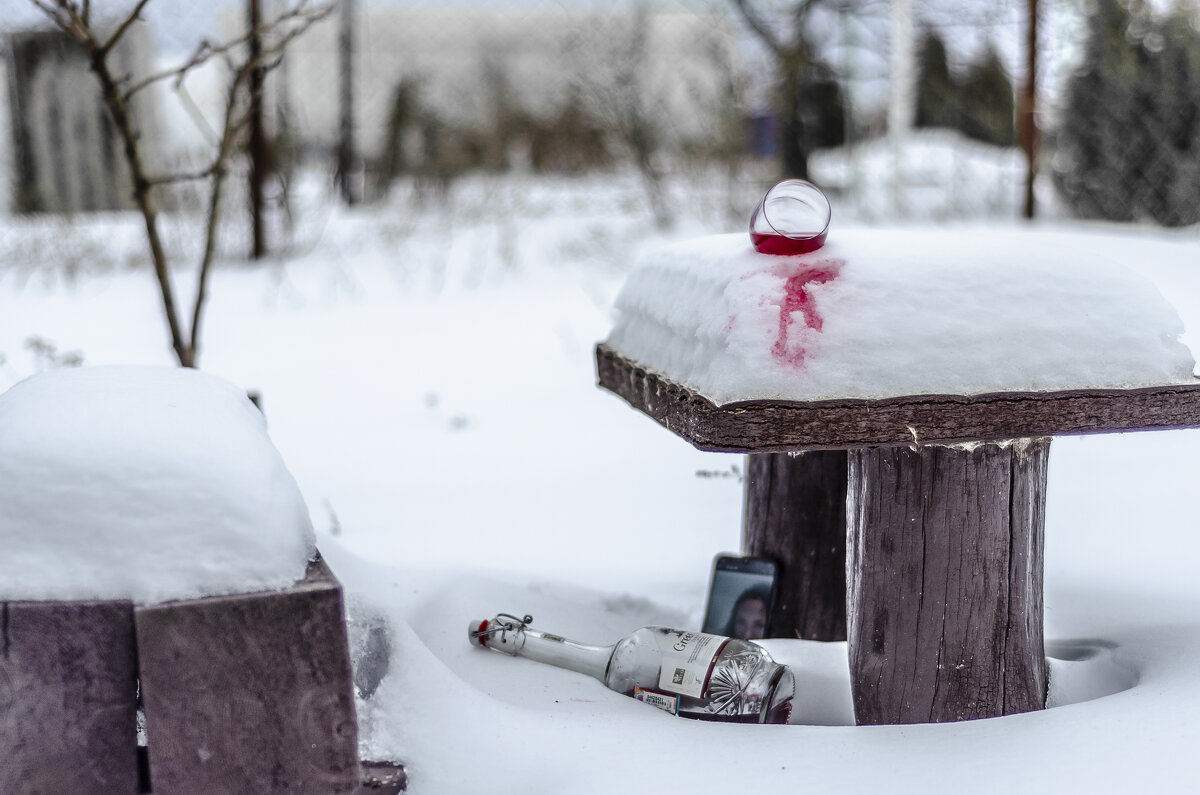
346	155
1027	108
258	135
75	17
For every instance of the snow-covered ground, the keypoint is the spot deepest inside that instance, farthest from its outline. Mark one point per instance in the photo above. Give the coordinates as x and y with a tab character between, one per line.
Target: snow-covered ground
427	376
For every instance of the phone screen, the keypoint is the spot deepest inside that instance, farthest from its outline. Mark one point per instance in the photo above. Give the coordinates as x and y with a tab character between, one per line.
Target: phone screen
740	597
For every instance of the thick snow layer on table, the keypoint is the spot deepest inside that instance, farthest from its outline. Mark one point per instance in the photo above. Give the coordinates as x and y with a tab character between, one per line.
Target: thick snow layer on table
888	313
148	483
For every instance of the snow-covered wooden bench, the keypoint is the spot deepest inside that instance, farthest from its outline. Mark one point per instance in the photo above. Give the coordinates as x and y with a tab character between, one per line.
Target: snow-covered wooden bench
159	564
910	525
240	693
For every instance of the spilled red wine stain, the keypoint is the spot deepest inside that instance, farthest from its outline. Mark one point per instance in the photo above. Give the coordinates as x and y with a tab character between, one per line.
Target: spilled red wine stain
796	298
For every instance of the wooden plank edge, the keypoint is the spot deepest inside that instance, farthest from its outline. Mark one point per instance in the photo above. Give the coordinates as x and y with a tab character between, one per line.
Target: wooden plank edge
756	426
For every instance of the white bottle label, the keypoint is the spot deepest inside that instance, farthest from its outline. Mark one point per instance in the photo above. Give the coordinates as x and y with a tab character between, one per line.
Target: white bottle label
687	657
661	700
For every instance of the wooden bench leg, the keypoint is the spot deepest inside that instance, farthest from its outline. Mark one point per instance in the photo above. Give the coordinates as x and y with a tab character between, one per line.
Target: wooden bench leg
945	602
795	513
250	693
68	685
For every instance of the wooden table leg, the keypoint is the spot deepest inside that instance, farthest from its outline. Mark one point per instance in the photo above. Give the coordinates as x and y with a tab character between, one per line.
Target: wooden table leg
945	581
795	513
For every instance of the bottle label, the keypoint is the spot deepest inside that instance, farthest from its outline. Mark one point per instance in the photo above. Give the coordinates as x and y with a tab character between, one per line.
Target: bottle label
687	660
665	702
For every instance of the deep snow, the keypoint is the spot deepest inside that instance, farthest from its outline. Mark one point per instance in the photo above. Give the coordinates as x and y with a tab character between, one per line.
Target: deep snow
436	403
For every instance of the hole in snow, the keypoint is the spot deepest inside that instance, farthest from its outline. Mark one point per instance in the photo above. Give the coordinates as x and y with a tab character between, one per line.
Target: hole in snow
1084	670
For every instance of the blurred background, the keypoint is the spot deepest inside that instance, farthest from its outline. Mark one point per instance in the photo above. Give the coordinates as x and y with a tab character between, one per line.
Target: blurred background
911	109
470	138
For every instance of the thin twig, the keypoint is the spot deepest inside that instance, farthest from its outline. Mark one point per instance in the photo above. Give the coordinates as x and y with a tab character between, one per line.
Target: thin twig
56	15
206	50
203	52
233	126
182	176
134	16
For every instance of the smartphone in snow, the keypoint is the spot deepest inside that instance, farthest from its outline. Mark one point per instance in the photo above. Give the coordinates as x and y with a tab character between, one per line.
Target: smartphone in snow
741	594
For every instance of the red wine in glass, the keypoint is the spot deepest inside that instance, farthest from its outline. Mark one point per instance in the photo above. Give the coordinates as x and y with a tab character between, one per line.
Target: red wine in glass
792	218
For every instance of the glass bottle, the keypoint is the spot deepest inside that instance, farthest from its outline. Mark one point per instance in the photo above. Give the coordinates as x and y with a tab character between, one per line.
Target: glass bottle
692	674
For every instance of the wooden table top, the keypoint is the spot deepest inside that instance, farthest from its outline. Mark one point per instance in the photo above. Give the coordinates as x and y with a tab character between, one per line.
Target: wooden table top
763	426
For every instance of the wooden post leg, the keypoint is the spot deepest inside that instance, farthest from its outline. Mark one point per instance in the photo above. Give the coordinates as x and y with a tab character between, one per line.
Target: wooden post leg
945	580
795	513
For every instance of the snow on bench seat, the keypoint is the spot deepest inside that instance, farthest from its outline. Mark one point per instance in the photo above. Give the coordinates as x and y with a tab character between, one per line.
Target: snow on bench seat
142	483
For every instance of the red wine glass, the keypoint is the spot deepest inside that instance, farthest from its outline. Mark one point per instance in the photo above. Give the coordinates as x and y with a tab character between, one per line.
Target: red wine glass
792	218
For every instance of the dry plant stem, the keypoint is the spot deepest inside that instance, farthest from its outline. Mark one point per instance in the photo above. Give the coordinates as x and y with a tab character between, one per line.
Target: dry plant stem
75	21
266	60
145	203
214	207
69	19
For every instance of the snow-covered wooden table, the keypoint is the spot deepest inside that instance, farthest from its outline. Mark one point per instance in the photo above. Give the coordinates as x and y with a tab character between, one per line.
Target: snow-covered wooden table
940	501
896	392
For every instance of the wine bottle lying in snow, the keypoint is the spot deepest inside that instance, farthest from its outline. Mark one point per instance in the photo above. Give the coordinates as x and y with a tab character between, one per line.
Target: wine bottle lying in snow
692	674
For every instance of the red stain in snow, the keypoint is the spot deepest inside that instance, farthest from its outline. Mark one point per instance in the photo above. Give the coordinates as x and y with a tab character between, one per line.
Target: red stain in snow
796	298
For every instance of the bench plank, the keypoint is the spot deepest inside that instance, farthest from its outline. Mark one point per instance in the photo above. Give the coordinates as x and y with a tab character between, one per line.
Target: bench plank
68	685
250	693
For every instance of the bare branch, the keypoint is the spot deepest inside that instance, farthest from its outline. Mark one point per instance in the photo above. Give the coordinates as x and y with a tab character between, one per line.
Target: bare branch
74	17
60	14
46	8
233	126
207	50
134	16
181	176
204	51
307	17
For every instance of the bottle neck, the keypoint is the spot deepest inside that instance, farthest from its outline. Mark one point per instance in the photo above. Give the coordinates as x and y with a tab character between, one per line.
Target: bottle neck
555	650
